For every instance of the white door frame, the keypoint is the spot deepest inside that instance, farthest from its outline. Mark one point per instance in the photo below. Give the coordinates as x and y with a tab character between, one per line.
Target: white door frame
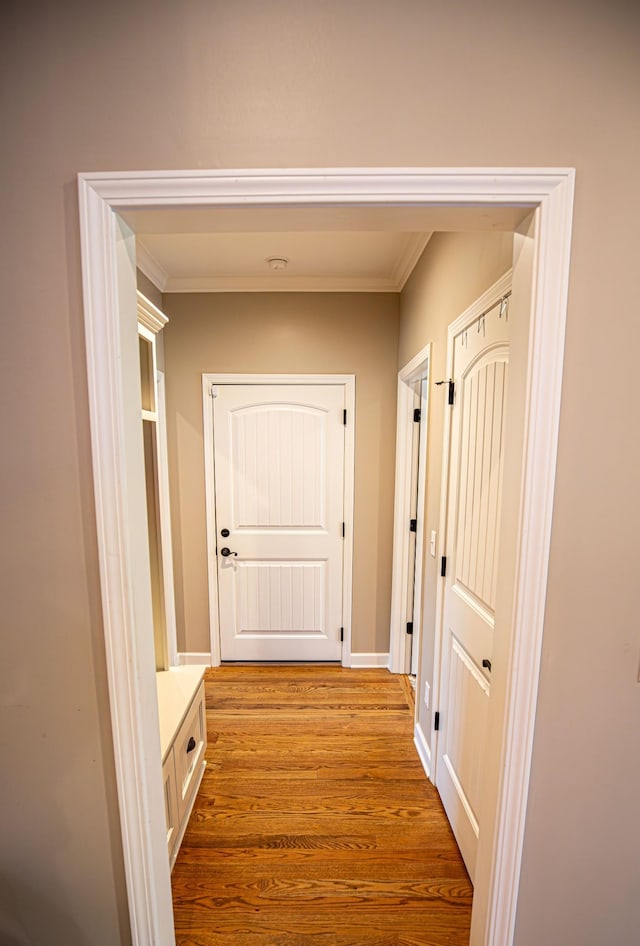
153	321
399	641
348	381
165	524
108	269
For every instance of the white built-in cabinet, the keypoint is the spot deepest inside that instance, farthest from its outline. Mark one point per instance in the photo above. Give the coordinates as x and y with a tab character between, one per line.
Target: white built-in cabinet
183	741
181	707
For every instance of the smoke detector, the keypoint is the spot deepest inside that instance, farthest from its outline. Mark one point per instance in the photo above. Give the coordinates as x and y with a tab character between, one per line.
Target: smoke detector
277	264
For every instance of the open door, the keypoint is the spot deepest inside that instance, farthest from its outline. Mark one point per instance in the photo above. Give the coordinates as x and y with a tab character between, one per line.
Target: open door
477	396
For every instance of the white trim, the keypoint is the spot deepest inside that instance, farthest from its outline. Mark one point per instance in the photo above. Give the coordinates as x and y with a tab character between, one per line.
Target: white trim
134	713
164	503
349	383
407	263
422	748
399	643
487	300
210	520
362	661
101	194
193	659
150	315
278	283
149	265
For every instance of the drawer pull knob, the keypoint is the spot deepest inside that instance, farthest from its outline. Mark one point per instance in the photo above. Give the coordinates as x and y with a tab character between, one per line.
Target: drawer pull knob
191	744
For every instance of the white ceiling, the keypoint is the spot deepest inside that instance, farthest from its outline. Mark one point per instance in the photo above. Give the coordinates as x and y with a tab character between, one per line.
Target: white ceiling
364	249
360	261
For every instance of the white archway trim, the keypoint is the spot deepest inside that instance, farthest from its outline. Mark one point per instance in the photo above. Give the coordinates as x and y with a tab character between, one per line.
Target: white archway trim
130	673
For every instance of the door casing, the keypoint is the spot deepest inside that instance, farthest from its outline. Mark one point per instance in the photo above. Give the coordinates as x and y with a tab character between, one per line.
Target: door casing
109	291
417	369
349	383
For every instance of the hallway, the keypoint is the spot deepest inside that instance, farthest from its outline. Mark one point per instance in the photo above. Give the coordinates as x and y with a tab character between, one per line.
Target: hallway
315	823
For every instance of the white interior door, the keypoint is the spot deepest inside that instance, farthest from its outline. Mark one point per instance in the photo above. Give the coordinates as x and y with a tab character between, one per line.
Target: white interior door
481	355
279	483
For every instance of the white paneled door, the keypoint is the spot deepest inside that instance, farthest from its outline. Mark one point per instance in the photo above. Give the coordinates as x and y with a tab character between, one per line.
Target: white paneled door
481	356
279	484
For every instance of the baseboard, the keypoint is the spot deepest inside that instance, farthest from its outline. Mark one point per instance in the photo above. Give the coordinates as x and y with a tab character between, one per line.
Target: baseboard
356	660
369	660
188	659
424	752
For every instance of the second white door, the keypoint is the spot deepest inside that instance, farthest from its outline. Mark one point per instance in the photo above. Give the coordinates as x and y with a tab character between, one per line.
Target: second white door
480	367
279	483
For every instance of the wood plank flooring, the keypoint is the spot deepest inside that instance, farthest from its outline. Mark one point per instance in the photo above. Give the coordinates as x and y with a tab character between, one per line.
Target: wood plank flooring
315	824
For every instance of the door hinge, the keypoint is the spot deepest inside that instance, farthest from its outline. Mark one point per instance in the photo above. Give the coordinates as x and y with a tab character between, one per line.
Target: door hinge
343	530
213	391
443	566
452	389
413	525
409	627
342	635
417	415
436	721
344	417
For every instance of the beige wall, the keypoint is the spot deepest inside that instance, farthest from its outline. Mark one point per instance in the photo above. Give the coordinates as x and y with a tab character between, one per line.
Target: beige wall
324	333
301	83
147	288
453	271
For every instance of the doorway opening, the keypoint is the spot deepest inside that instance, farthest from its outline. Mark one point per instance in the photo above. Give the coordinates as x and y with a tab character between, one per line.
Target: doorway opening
109	285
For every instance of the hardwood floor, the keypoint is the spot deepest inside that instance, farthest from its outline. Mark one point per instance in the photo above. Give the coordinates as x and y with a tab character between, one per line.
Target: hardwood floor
315	823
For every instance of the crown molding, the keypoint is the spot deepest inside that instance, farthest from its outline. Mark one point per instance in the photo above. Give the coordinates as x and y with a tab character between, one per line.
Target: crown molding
150	315
412	252
149	265
281	283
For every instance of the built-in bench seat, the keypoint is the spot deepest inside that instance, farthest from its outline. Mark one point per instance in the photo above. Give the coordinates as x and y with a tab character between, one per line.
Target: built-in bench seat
183	740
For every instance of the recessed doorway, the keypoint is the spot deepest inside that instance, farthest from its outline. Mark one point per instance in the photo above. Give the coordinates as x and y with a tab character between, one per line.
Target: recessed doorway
109	280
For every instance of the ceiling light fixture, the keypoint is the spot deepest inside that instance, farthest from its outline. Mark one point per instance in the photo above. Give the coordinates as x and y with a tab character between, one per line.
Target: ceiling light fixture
277	264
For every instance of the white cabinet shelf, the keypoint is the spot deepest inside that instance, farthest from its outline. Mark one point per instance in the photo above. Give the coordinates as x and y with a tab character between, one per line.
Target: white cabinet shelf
183	740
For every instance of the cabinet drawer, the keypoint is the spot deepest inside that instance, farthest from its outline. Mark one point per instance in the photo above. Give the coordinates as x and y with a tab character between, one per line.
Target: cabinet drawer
170	800
188	751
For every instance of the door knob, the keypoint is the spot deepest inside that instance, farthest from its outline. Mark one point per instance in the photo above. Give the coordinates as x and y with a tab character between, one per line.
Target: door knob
486	664
225	551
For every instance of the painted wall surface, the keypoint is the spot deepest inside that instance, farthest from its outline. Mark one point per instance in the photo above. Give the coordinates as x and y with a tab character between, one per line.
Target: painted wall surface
147	288
453	271
156	84
286	333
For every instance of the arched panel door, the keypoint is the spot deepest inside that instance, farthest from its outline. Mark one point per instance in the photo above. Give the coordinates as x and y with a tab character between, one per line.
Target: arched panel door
279	480
481	361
